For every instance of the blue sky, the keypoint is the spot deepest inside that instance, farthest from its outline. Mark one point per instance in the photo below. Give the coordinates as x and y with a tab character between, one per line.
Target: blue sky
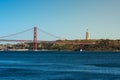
68	19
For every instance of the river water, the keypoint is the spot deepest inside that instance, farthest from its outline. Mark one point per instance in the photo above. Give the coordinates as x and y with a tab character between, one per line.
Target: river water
59	65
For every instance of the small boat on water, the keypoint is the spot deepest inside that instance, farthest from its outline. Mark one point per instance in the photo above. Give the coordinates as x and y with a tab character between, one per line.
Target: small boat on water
81	50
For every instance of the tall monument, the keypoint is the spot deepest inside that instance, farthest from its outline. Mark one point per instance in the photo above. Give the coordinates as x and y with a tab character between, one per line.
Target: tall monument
87	35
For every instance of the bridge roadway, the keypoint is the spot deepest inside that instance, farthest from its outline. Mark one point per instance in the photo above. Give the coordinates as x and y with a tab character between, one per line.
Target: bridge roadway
30	41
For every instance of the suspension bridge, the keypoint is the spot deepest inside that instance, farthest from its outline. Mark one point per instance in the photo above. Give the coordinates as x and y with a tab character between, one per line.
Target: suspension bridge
35	40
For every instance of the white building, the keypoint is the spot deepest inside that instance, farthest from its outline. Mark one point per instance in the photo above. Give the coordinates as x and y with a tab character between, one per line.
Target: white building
87	35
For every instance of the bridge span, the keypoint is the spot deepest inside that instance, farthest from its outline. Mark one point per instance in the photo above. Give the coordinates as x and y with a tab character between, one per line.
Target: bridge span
35	41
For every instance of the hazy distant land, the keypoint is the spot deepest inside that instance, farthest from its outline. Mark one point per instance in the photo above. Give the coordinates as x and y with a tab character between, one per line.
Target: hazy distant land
72	45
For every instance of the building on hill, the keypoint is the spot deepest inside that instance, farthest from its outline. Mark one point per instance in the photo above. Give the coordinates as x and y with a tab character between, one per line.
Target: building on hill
87	35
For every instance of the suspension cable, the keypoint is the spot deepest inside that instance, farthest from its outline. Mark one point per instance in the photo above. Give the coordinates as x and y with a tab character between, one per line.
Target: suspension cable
49	34
16	33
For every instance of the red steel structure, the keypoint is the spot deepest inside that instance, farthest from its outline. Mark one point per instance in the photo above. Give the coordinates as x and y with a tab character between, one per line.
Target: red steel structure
35	39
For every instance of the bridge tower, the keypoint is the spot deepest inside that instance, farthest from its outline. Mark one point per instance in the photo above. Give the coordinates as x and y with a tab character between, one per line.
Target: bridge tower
35	39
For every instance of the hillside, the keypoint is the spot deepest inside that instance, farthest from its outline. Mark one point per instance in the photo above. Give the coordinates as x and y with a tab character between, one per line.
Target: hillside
74	45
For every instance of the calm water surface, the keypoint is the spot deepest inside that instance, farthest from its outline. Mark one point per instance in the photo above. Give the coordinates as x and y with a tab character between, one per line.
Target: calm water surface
59	65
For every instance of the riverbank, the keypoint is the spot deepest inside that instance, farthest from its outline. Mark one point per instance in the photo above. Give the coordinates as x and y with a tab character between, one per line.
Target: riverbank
67	45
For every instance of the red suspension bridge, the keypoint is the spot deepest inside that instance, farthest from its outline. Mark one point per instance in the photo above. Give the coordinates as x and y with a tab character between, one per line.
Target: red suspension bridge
35	41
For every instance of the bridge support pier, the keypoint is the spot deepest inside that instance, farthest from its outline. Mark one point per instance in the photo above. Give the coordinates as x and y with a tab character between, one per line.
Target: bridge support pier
35	39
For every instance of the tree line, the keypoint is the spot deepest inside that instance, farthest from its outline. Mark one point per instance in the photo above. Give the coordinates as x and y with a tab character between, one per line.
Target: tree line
72	45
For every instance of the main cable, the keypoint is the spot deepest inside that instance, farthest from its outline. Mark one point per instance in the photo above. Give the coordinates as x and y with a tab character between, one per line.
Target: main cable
49	34
16	33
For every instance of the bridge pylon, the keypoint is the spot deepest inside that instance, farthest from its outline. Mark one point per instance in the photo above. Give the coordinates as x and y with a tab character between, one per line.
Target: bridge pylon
35	39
